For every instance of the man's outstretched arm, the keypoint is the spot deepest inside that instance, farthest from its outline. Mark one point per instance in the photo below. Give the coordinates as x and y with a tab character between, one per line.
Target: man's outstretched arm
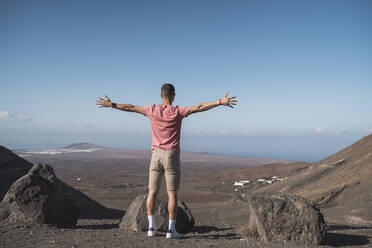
124	107
225	101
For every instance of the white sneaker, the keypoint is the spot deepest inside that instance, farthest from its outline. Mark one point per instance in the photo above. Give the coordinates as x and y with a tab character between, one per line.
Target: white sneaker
151	232
173	235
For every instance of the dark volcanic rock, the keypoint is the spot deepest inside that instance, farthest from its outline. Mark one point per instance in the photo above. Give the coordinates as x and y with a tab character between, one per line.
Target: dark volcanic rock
38	197
12	167
284	217
135	218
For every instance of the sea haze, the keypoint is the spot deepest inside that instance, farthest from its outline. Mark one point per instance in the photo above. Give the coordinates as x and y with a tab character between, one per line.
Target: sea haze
310	147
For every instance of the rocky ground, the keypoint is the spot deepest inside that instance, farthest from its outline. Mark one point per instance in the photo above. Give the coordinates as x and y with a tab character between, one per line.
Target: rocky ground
106	233
211	230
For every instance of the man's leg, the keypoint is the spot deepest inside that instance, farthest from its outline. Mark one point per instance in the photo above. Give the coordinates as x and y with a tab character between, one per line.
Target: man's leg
172	204
155	175
172	210
151	202
151	205
172	177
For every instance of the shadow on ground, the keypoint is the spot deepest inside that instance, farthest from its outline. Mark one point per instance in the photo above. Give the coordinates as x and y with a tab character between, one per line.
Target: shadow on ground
345	227
212	232
89	208
104	213
98	226
110	214
345	239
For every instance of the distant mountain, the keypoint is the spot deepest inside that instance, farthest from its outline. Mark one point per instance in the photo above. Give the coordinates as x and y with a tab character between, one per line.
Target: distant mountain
341	183
12	167
83	146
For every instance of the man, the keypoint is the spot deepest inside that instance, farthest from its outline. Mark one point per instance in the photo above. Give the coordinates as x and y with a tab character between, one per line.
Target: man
166	129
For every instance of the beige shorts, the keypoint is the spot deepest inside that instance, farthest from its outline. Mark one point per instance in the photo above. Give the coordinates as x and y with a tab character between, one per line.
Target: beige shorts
165	162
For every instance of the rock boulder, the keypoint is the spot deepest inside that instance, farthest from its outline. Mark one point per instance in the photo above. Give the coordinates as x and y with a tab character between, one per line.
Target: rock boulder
285	217
135	217
38	197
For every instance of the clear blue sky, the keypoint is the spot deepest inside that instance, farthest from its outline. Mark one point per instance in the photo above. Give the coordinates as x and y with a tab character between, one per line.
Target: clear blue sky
302	71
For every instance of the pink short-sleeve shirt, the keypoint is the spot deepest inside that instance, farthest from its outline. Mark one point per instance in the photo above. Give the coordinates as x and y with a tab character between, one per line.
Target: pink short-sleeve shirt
166	123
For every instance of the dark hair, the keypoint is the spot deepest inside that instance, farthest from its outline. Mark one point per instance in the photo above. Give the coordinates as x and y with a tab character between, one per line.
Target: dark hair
167	90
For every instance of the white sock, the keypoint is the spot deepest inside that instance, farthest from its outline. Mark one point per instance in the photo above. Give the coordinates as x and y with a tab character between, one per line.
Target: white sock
172	225
151	221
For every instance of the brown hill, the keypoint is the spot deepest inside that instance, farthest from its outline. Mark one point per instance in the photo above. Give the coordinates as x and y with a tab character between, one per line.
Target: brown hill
340	183
12	167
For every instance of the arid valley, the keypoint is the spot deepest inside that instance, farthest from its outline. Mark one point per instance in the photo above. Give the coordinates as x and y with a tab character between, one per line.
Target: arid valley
211	186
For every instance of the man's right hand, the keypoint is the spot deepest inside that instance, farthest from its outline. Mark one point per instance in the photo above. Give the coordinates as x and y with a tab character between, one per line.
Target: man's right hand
104	102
